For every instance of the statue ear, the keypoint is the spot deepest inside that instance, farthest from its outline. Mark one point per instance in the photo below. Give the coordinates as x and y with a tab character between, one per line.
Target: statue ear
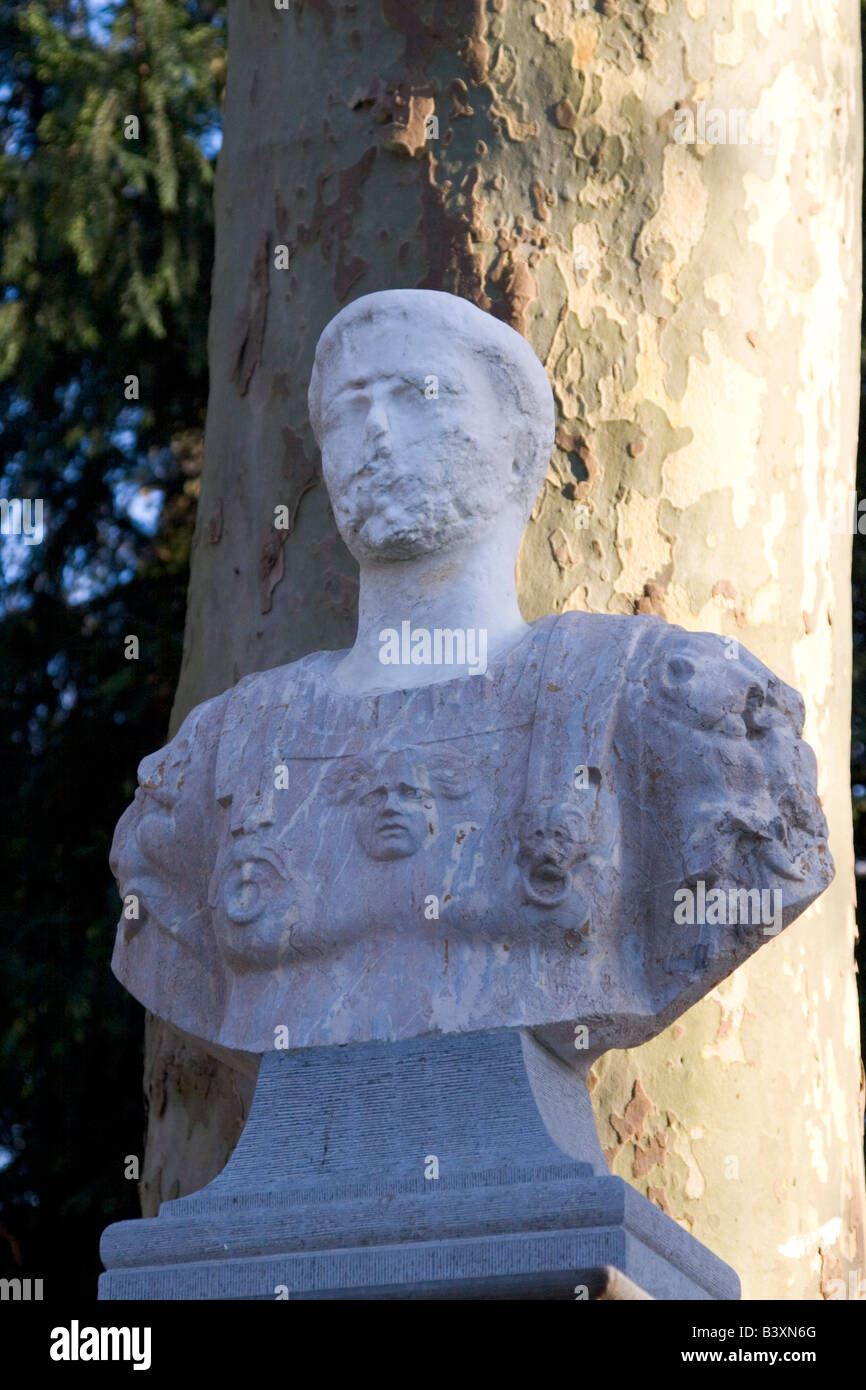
519	445
528	466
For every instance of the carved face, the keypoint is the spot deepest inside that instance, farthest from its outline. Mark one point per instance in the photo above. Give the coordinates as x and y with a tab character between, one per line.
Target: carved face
263	907
724	696
392	819
550	843
554	842
151	857
394	799
417	448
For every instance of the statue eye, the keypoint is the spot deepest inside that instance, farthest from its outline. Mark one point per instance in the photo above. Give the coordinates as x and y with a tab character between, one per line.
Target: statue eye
680	668
372	797
411	793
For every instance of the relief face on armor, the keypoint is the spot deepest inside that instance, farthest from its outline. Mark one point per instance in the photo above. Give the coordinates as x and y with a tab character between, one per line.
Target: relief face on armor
393	801
360	847
553	840
152	861
550	845
263	908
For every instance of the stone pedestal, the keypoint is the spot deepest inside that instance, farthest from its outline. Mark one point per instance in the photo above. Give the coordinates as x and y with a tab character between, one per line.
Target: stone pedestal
331	1192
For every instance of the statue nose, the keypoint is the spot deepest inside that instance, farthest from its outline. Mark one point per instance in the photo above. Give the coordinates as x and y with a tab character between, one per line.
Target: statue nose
378	426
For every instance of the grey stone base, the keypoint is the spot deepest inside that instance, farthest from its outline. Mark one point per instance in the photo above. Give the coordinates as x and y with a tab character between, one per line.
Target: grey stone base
326	1197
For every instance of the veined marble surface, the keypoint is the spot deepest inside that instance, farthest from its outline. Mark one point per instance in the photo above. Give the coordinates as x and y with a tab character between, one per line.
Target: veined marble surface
586	822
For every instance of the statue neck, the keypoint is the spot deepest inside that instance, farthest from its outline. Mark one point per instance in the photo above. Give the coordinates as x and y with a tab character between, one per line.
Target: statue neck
417	617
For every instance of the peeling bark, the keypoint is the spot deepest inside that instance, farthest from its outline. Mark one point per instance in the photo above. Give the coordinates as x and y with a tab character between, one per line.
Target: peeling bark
694	307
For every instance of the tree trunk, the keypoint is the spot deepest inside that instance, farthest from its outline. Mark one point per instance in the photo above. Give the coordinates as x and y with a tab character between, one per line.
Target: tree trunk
694	304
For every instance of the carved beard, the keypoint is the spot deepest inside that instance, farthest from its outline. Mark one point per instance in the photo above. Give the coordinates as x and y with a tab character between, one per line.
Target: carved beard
422	505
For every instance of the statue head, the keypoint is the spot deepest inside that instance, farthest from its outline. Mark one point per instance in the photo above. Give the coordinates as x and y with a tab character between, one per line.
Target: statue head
433	419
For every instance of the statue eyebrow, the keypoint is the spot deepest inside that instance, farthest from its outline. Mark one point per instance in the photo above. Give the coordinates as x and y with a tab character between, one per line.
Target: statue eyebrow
360	382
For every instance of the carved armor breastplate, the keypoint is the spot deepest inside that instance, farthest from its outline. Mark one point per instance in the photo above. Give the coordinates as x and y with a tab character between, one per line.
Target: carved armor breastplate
496	849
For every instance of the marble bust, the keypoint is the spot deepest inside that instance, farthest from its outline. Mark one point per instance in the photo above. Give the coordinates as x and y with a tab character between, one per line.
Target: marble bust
465	822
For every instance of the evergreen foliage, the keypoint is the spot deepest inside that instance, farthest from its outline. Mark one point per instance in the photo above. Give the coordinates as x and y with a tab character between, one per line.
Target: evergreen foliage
107	246
104	274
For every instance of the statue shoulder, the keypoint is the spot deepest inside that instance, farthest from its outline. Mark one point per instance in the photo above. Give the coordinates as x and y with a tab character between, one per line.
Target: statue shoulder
715	737
166	847
592	659
276	688
196	743
713	682
721	741
581	642
162	772
645	665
